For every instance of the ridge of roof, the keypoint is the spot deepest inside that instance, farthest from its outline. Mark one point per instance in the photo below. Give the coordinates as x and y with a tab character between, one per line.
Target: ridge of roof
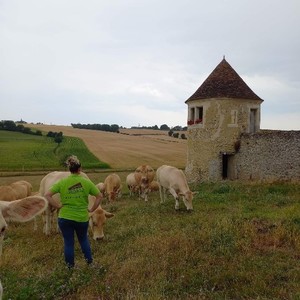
224	82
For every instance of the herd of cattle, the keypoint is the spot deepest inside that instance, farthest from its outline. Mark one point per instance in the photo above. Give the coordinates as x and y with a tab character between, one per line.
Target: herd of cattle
18	203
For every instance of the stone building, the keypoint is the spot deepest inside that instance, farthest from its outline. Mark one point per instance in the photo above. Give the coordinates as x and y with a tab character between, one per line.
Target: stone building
224	136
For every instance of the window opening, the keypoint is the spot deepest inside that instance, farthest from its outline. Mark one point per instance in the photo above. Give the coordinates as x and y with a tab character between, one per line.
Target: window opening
199	115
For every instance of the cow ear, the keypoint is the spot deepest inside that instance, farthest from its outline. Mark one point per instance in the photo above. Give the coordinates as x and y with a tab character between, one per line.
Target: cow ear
25	209
108	214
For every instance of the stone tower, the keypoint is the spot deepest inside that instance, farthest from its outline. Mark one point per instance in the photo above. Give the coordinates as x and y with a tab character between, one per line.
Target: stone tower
220	110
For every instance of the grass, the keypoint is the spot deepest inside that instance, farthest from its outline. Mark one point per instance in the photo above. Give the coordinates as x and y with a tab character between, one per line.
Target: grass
24	152
241	242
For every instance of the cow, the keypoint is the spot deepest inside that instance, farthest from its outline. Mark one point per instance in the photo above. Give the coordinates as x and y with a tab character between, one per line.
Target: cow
21	210
101	187
112	187
153	186
98	219
98	216
144	175
16	190
174	180
45	185
7	193
132	184
23	188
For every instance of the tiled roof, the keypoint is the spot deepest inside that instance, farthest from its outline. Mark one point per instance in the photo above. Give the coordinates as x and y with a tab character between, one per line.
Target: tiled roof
224	82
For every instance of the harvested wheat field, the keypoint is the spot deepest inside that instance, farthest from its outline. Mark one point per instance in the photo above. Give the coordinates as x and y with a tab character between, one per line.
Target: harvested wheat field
130	147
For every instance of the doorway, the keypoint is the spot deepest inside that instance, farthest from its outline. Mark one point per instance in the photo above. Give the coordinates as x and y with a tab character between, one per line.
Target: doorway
227	168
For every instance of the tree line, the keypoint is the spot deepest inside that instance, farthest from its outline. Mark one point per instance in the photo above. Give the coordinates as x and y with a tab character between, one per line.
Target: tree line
116	128
10	125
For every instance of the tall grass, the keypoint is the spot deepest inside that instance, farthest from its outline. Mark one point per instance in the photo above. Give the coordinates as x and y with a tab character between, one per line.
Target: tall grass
24	152
240	242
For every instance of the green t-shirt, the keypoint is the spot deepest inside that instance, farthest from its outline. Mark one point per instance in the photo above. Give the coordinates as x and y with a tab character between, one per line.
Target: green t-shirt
74	192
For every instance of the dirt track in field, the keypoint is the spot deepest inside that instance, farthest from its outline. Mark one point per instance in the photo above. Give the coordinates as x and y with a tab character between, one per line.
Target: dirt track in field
125	150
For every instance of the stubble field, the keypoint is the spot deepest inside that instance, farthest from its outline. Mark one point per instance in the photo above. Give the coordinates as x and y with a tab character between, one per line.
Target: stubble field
129	148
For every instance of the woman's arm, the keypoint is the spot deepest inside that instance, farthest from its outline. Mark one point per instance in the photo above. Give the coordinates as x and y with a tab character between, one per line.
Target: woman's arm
52	201
96	203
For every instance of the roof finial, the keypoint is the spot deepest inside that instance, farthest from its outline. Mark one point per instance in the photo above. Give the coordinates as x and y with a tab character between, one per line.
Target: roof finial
223	56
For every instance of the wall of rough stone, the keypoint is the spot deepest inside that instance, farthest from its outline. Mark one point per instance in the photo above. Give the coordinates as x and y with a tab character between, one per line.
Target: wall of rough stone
268	155
223	122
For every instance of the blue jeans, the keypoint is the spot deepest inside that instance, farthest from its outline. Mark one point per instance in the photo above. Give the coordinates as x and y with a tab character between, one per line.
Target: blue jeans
68	228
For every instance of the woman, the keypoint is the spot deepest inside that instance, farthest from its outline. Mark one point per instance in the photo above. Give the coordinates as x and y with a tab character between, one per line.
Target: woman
73	214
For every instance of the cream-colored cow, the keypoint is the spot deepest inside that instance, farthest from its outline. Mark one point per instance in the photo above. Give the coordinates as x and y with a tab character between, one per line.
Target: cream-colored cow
21	210
98	219
172	179
132	184
112	187
101	187
23	188
16	190
144	175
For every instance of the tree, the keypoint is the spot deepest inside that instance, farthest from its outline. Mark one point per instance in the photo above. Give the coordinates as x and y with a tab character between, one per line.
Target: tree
164	127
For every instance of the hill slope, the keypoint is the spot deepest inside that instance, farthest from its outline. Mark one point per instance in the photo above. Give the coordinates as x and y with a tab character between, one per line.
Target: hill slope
127	149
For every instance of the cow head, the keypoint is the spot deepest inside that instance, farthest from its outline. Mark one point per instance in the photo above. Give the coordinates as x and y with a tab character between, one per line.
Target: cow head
97	222
188	199
22	210
144	174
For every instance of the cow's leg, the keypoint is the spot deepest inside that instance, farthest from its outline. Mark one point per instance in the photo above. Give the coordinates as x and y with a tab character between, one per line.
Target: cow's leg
161	191
174	194
1	243
35	226
140	192
45	221
146	195
1	290
176	203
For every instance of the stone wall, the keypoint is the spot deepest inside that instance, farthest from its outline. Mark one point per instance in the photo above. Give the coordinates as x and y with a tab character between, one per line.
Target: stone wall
268	155
223	122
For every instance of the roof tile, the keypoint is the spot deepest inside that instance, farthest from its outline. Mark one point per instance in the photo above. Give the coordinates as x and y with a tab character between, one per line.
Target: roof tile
224	82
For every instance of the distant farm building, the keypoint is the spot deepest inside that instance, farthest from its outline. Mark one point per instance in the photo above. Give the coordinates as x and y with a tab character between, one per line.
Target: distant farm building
224	136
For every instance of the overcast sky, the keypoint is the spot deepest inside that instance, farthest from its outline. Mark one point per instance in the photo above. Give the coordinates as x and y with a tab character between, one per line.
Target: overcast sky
135	62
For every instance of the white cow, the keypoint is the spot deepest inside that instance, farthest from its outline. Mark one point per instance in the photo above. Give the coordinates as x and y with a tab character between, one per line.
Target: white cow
21	210
97	218
172	179
132	184
45	185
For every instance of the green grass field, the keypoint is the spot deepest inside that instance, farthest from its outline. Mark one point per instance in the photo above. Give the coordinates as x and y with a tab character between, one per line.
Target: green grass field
242	241
25	152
